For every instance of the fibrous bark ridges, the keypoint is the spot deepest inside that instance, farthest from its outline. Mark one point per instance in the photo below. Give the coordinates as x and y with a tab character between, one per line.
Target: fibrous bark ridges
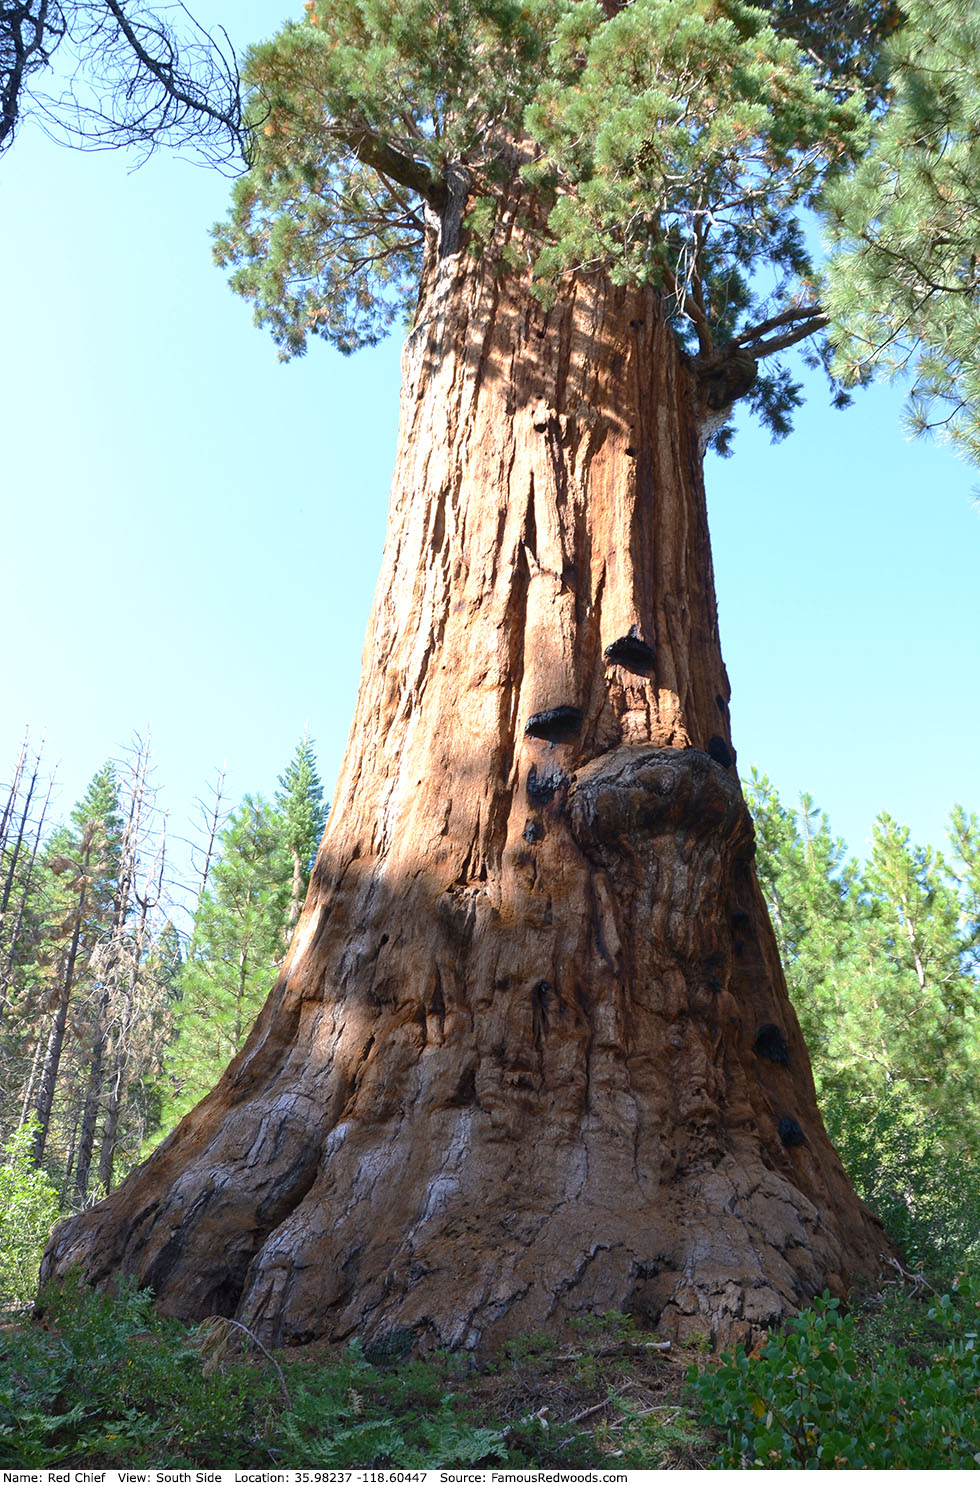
513	1071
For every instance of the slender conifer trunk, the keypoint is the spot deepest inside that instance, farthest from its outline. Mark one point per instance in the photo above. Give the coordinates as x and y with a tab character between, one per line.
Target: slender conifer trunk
531	1053
59	1021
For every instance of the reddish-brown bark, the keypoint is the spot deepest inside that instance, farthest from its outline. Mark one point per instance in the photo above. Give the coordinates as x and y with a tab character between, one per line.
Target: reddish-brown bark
531	1053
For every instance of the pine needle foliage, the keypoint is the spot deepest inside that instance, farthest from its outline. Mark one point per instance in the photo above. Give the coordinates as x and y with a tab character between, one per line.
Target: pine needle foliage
665	142
881	962
904	282
242	926
234	954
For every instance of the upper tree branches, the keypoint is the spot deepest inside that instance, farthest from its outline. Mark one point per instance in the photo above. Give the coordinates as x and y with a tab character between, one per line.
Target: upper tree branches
668	142
130	79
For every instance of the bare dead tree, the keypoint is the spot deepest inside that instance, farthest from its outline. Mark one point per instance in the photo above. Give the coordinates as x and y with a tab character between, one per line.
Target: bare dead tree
211	814
14	790
114	956
13	937
130	77
13	854
123	1058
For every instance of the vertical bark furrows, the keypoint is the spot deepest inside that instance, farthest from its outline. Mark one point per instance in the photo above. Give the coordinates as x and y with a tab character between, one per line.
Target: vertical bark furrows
512	1070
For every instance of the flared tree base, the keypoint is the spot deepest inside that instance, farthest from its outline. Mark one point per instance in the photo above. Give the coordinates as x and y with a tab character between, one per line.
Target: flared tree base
608	1112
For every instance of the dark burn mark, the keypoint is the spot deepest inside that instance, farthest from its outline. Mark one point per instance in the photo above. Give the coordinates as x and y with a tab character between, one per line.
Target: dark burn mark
770	1042
465	1090
533	832
790	1132
721	704
713	968
539	1007
719	751
632	653
558	724
541	788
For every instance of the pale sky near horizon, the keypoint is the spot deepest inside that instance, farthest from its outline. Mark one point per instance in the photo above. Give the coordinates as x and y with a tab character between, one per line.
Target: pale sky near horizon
192	531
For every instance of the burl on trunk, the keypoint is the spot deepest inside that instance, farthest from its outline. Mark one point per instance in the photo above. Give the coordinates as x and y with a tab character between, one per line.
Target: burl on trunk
531	1053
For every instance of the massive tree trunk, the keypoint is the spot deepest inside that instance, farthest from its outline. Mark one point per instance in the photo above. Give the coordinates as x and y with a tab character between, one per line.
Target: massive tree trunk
531	1053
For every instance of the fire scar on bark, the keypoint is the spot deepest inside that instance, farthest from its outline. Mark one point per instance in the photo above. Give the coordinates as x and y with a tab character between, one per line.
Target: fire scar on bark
531	1054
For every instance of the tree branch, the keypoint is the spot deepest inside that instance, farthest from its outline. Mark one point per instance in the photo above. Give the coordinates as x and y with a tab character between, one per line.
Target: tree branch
29	33
781	342
775	322
388	161
169	79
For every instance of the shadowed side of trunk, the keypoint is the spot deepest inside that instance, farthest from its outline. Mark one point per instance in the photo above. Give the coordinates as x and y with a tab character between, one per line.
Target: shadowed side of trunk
531	1053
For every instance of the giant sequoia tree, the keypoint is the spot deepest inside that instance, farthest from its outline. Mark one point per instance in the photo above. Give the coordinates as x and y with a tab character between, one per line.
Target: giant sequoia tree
531	1052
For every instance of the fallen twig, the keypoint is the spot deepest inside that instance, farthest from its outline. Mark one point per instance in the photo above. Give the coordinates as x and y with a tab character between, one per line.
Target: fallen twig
597	1407
613	1346
214	1326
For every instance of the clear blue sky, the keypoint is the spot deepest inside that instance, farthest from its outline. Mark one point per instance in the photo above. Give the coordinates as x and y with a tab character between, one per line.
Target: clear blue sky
192	531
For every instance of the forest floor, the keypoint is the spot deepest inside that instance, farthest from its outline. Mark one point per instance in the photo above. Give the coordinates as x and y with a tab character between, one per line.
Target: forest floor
157	1394
100	1381
608	1394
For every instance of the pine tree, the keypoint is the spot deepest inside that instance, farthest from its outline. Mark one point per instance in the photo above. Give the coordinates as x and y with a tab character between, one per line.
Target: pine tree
23	921
85	1008
235	951
300	805
964	834
905	282
879	962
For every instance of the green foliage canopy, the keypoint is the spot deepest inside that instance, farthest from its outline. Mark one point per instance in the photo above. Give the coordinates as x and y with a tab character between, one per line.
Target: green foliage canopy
235	951
242	926
300	803
669	142
904	284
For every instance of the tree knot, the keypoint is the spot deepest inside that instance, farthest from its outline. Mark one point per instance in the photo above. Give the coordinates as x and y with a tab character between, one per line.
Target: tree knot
724	378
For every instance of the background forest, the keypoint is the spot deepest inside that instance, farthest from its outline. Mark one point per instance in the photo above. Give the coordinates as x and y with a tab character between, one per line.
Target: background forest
127	986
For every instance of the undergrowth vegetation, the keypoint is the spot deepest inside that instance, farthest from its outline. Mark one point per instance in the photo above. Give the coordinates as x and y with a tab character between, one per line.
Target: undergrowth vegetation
104	1381
894	1386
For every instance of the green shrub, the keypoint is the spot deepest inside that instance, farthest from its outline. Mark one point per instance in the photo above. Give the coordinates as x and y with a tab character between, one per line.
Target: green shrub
817	1398
28	1211
915	1173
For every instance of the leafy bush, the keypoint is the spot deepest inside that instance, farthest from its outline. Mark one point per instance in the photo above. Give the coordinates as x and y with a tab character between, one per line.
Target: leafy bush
817	1398
28	1211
